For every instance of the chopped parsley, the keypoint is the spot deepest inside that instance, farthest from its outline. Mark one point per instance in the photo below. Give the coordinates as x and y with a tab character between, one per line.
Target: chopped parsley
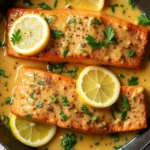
65	52
97	143
95	21
49	20
28	115
124	115
54	99
133	81
143	20
5	119
125	102
84	51
72	73
121	76
9	100
131	3
131	53
63	115
2	44
28	3
32	96
113	115
115	136
6	84
109	34
117	147
113	7
72	21
44	6
94	118
66	1
16	37
57	33
69	141
2	73
39	104
55	3
65	102
40	82
93	44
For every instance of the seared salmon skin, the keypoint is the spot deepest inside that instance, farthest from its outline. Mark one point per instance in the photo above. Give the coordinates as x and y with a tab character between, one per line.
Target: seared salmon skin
53	99
86	37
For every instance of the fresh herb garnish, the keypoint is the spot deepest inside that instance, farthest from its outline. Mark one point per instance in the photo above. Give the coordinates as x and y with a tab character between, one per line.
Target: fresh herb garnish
117	147
6	84
65	102
39	104
72	73
28	115
2	44
93	44
94	118
121	76
116	137
72	21
113	115
65	52
131	53
66	1
9	100
57	33
5	119
32	96
95	21
63	115
131	3
109	34
97	143
124	115
69	141
44	6
143	20
2	73
16	37
133	81
84	51
55	4
49	20
113	7
28	3
54	99
40	82
125	102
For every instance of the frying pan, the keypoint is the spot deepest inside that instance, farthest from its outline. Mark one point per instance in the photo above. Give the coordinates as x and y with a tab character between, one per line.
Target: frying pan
140	142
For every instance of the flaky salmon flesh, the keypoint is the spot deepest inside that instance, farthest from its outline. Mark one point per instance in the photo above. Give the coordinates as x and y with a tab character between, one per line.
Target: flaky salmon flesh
53	99
86	37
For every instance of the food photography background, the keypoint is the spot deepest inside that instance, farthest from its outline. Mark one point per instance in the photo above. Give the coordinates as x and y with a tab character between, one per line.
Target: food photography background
122	10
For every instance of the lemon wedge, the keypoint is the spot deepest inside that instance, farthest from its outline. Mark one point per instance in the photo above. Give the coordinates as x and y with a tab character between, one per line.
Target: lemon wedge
94	5
98	87
31	133
29	34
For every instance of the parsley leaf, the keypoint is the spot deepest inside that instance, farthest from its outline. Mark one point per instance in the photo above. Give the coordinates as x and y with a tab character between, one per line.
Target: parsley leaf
32	96
49	20
57	33
113	7
54	99
65	101
28	3
65	52
109	34
113	115
40	82
44	6
125	102
93	44
9	100
2	73
72	73
72	21
117	147
63	115
131	53
16	37
28	115
121	76
55	4
133	81
95	21
143	20
66	1
131	3
69	141
85	110
39	104
116	137
5	119
2	44
124	115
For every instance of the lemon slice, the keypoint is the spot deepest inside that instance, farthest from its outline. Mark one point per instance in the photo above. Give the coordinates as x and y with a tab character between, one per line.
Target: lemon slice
31	133
98	87
94	5
29	34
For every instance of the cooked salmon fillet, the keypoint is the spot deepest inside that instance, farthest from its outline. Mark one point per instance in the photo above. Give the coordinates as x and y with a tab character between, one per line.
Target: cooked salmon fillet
86	37
53	99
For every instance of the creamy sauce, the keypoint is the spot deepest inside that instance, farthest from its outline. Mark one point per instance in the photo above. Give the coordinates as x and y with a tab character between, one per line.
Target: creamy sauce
11	66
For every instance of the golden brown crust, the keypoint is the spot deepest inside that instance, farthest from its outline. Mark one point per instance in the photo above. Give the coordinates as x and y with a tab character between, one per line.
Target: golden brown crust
50	112
129	37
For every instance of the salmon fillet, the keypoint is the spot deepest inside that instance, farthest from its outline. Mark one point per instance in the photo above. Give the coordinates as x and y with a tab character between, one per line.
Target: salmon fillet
53	99
82	38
